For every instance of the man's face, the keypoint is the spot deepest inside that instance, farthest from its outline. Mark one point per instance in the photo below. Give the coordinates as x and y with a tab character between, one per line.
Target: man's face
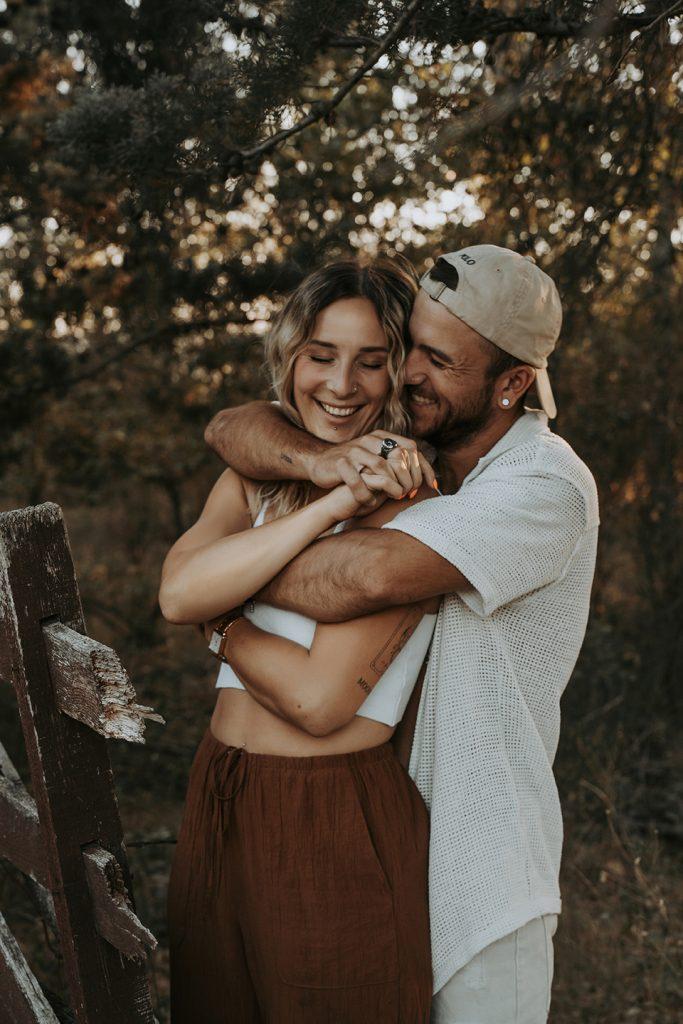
449	392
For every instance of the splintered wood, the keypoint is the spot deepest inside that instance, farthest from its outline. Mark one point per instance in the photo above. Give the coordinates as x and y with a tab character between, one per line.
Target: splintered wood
92	685
116	920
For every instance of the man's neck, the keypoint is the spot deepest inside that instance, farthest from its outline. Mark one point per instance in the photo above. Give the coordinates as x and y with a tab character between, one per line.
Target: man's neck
456	463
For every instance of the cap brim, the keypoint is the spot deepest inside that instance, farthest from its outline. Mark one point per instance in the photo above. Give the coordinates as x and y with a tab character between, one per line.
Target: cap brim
545	394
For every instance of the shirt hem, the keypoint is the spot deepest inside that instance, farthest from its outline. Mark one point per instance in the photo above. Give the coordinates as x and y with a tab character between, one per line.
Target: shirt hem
514	920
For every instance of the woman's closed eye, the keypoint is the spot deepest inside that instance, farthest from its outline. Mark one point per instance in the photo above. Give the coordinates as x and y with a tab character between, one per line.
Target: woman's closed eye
367	366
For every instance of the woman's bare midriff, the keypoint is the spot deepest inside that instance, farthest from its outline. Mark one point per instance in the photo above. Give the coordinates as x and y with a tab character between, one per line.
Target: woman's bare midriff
239	721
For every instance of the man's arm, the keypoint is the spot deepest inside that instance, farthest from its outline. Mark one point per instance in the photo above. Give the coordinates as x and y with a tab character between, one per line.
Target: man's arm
362	571
260	442
508	534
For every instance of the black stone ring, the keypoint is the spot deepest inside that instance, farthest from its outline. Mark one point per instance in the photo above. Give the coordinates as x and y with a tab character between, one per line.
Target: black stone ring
388	445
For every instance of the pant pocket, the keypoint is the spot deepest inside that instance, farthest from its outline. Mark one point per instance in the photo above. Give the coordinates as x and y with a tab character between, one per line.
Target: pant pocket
474	973
336	939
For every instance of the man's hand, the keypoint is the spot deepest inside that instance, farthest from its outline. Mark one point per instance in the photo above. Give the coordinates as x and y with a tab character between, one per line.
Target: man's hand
344	463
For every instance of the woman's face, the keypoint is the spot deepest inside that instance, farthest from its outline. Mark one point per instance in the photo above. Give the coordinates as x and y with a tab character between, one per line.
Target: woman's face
341	380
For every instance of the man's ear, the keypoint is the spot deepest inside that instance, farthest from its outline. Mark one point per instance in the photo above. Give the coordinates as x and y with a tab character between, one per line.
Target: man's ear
513	385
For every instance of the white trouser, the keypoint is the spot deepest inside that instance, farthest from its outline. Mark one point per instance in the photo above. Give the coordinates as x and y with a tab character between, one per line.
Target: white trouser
507	983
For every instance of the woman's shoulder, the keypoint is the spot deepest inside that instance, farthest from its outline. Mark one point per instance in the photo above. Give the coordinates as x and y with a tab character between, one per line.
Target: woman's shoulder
231	484
230	494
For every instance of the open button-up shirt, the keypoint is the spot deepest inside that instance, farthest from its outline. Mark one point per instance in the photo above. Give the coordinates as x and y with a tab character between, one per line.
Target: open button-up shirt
522	529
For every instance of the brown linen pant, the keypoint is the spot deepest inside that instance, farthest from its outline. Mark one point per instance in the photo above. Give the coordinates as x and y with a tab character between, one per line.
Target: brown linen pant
298	891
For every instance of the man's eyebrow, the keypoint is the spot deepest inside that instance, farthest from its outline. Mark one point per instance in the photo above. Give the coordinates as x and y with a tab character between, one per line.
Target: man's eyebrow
366	348
437	352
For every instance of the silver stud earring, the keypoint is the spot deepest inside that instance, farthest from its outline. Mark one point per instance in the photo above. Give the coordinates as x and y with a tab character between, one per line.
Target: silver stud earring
505	402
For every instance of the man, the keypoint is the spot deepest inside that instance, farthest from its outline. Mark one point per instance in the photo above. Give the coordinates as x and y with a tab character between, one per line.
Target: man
511	546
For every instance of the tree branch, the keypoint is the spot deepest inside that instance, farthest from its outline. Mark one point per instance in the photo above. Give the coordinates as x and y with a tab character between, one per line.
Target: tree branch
540	80
482	23
349	42
492	22
668	13
322	110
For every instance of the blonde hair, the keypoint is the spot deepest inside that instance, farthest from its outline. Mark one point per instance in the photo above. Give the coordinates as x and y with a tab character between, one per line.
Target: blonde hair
391	285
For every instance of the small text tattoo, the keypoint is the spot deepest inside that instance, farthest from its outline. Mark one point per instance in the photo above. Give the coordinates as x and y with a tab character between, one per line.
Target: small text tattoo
365	687
285	458
397	641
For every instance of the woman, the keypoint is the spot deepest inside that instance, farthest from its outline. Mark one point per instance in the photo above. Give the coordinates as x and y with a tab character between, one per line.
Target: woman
299	885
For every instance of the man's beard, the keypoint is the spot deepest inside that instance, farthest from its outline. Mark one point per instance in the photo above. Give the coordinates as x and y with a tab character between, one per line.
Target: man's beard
463	424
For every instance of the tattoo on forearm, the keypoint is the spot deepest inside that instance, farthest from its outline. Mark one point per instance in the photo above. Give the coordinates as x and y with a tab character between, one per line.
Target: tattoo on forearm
365	687
397	641
286	458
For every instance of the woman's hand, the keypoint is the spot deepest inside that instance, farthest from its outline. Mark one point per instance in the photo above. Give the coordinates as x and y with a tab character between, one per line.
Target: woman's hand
350	462
343	502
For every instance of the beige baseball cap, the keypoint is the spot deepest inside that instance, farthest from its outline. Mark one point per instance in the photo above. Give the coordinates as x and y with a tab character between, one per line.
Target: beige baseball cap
507	299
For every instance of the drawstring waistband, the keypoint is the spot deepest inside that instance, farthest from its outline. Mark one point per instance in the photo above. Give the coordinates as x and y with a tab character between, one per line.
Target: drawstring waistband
226	779
228	774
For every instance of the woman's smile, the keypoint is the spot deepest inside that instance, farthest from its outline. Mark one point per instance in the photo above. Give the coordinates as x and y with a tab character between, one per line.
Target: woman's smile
337	420
343	411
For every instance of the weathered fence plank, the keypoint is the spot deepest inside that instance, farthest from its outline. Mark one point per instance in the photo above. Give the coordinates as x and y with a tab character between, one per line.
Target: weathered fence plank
92	685
70	769
23	1001
21	839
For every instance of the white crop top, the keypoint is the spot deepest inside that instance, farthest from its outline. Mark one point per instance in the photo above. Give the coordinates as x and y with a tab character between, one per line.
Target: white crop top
391	693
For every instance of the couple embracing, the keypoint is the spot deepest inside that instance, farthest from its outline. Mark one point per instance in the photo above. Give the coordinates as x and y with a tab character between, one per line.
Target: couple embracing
318	880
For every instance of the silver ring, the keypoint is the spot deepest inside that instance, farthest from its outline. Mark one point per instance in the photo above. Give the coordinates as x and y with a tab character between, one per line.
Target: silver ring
388	445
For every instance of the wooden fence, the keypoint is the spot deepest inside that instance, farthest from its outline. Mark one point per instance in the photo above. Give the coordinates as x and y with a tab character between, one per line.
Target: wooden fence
72	695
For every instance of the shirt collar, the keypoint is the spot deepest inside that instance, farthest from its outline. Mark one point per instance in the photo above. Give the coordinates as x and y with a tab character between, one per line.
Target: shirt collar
532	423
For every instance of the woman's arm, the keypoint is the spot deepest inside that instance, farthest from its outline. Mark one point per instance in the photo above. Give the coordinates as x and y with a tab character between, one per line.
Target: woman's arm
221	560
320	690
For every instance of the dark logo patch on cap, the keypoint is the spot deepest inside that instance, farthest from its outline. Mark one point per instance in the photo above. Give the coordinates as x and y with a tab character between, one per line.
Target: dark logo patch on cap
445	273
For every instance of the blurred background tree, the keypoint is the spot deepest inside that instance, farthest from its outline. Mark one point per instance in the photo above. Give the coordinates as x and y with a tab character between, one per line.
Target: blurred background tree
170	170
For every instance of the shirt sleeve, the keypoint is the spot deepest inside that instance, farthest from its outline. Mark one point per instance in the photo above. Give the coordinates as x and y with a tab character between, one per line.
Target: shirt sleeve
508	536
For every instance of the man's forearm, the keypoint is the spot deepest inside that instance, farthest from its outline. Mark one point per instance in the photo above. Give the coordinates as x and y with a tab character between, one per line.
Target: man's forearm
332	580
362	571
258	441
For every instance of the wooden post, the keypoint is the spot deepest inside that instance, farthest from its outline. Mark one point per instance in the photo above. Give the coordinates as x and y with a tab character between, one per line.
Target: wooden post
70	771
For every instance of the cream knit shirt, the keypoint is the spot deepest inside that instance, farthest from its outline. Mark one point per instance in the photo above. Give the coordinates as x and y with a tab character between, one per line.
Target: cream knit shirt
523	529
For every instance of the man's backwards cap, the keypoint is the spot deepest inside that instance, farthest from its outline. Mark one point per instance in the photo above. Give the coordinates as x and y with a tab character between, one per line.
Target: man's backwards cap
507	299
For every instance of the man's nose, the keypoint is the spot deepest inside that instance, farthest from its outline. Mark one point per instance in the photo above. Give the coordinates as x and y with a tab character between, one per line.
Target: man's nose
414	374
